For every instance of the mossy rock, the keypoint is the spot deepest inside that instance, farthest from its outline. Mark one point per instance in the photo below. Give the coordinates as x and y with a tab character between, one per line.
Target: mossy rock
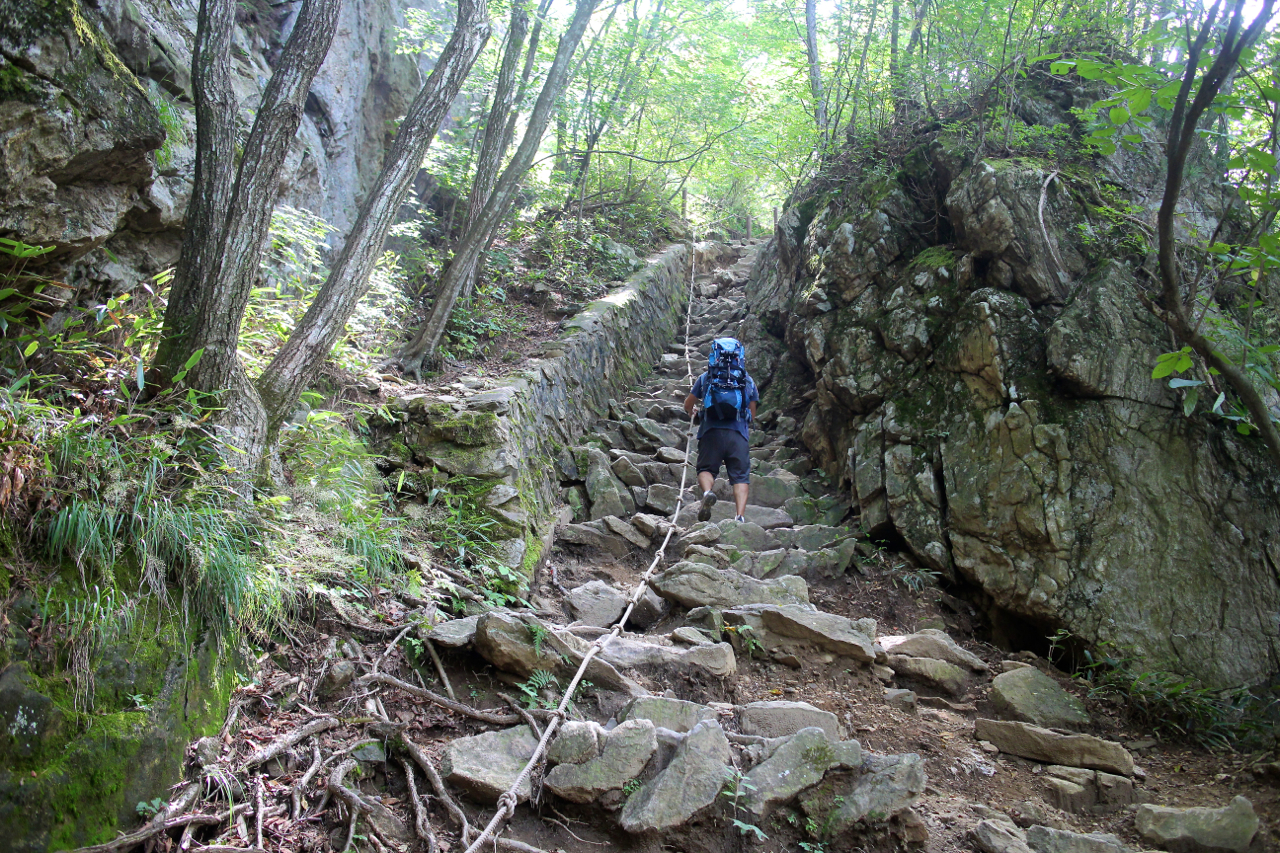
83	780
468	428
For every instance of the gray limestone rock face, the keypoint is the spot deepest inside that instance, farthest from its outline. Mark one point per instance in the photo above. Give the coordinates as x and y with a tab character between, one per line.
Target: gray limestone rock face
597	603
747	536
1030	696
779	718
887	785
486	765
702	533
798	763
936	644
674	714
626	471
936	673
691	782
1037	459
696	585
626	751
1044	839
594	535
903	700
1040	744
1193	830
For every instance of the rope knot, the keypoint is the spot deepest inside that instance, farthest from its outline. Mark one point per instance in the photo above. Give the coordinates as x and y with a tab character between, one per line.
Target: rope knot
508	802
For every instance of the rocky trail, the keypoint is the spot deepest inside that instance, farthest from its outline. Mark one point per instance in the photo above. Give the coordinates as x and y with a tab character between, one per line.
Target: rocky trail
783	684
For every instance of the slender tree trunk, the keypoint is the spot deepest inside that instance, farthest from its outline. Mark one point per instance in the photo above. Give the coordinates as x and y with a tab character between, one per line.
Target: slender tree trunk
313	338
815	74
895	70
496	141
851	129
218	266
1182	135
425	342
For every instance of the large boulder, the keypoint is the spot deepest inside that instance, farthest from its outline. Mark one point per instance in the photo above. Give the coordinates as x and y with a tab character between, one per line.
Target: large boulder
886	785
990	405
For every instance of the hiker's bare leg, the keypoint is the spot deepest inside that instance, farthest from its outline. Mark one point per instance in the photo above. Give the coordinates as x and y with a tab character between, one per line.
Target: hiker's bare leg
740	496
706	481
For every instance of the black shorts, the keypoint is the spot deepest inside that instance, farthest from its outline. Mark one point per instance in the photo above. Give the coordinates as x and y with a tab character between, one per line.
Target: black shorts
727	446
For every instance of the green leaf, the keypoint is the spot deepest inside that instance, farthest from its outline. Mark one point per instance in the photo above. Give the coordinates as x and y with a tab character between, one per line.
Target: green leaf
139	377
31	347
1189	401
1043	57
1118	115
1271	93
1185	383
1139	101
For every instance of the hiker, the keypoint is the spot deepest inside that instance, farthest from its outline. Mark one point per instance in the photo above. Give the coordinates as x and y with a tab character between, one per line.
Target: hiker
728	396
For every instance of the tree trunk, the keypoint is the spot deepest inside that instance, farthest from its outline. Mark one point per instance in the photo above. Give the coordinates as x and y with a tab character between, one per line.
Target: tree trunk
851	130
218	265
895	70
313	338
425	342
496	129
815	73
1182	135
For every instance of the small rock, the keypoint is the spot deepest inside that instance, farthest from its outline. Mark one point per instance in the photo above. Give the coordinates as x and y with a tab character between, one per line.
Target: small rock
576	741
627	531
626	751
827	631
649	610
1043	839
703	533
902	700
454	633
780	719
935	644
798	763
674	714
597	603
889	784
663	498
936	673
486	765
997	836
690	783
690	635
669	455
694	585
1039	744
372	751
715	658
1231	827
1011	665
1030	696
339	674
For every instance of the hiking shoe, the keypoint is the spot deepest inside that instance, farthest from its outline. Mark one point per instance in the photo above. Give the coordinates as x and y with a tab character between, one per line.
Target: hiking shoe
740	519
708	501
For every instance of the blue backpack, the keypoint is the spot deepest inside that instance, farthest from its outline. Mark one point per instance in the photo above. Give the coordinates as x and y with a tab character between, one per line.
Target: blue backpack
725	397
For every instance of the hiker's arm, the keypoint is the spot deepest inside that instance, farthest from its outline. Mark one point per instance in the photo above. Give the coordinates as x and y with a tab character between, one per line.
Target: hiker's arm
689	402
752	406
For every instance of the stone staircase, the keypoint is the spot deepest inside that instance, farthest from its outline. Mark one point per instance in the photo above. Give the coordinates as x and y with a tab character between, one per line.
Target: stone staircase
719	716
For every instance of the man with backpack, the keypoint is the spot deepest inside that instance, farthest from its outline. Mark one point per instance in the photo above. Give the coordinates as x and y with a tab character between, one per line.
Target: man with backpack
728	396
